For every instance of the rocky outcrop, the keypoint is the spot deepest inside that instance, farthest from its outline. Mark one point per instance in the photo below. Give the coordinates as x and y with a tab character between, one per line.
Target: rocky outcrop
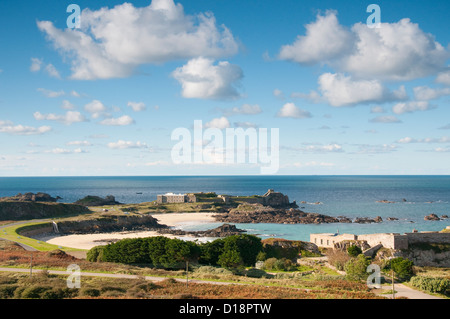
256	213
426	257
367	220
97	201
432	217
284	248
106	224
31	197
222	231
385	201
11	210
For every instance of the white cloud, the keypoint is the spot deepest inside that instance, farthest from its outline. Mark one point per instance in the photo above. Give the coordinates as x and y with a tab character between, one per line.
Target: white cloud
113	42
340	90
425	93
59	150
292	111
120	121
395	51
376	149
443	77
96	108
79	143
201	79
137	106
52	94
318	148
67	105
412	106
325	39
385	119
278	93
428	140
10	128
69	118
220	123
245	109
245	125
52	71
377	109
120	144
35	64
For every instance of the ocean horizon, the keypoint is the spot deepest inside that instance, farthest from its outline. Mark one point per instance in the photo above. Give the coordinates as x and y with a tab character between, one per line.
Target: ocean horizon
411	197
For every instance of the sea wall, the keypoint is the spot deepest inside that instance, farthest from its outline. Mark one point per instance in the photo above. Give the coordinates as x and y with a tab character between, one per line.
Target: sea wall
393	241
428	237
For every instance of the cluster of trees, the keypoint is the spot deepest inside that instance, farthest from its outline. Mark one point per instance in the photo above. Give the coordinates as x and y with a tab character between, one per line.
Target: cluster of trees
229	252
355	264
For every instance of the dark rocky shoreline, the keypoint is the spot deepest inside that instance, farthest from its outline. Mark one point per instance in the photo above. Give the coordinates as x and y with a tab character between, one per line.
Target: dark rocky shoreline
255	213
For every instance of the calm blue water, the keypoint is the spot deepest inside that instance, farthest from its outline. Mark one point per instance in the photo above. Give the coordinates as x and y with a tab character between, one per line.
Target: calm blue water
351	196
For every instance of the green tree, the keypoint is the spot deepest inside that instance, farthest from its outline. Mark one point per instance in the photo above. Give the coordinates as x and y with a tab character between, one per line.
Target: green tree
157	250
402	267
180	251
127	251
210	252
356	268
230	259
247	246
354	250
95	254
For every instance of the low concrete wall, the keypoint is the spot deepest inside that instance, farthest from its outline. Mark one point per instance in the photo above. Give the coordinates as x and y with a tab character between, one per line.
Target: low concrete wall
428	237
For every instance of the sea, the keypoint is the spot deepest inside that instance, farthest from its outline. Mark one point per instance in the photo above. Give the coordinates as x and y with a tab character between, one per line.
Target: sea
410	198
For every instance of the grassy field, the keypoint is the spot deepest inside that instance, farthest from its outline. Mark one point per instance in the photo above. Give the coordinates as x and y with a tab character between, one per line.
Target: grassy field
279	286
13	233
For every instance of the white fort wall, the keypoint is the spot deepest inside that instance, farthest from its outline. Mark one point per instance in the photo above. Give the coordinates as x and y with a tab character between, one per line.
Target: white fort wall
388	240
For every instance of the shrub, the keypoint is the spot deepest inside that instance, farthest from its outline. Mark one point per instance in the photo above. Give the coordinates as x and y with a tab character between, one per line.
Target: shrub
431	284
402	267
338	258
356	268
7	291
246	246
34	292
230	259
95	254
282	264
269	264
354	251
256	273
210	252
90	292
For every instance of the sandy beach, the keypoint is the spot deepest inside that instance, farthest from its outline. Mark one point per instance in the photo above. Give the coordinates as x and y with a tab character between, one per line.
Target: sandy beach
90	240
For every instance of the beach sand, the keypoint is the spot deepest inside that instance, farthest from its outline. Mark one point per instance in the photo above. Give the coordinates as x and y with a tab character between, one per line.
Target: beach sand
87	241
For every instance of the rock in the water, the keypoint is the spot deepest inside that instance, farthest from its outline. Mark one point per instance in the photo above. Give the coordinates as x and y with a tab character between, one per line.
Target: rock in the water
432	217
31	197
97	201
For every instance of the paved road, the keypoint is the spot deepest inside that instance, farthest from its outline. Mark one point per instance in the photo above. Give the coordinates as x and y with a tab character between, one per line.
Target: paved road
405	291
26	247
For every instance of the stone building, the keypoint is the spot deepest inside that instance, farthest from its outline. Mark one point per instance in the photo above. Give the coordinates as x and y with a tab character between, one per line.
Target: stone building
389	240
171	198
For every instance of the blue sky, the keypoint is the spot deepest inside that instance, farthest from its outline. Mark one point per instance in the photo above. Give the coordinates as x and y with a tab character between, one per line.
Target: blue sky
104	99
